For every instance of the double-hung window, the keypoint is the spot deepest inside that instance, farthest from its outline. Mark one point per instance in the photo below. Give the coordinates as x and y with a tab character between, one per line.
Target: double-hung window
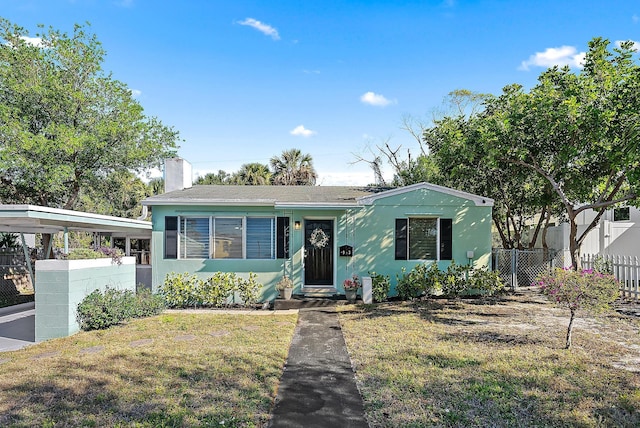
423	238
226	237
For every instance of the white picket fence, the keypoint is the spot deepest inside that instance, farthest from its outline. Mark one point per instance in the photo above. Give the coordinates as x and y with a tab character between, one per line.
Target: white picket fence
626	269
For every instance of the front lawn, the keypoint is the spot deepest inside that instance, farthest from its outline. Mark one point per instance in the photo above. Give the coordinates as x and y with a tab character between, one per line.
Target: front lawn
171	370
471	364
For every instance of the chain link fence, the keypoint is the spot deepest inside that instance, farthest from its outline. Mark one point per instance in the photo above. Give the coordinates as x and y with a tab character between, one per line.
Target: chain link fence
15	282
519	268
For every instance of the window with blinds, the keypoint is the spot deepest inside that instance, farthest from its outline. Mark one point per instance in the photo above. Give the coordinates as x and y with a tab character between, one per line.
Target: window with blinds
423	238
420	238
226	237
194	237
260	234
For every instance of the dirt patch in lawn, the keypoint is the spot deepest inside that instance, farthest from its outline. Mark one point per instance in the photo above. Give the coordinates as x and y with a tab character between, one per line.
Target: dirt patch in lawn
500	362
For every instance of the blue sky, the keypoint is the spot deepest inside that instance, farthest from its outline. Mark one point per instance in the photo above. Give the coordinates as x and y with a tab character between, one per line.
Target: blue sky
244	80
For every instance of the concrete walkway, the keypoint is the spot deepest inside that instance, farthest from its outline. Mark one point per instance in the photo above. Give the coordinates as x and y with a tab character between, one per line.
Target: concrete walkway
318	387
17	327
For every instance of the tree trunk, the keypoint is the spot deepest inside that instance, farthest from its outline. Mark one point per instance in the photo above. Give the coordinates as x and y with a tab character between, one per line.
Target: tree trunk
570	328
574	245
46	239
545	247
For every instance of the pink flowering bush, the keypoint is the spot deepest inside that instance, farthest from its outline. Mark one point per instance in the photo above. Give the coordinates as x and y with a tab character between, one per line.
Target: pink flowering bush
352	284
586	290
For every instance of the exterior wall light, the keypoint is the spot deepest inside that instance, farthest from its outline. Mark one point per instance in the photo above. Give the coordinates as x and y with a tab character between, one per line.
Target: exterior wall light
297	225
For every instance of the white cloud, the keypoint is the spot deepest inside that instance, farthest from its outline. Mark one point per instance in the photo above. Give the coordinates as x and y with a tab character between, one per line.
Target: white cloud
33	41
564	55
635	46
376	99
262	27
301	131
135	93
635	19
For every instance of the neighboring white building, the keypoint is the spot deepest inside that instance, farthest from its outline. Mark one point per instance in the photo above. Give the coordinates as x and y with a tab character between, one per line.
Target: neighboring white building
618	233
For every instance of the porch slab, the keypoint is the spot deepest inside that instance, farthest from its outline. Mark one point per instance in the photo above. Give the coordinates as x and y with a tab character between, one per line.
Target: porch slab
299	301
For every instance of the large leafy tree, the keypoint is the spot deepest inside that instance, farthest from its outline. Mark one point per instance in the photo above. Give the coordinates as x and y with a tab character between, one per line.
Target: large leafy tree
293	168
65	125
458	147
578	132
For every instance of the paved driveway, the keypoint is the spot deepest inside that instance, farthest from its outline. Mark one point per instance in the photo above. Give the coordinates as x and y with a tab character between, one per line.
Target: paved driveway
17	327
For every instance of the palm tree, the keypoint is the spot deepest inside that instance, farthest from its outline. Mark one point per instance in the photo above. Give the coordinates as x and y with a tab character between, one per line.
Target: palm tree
292	168
255	174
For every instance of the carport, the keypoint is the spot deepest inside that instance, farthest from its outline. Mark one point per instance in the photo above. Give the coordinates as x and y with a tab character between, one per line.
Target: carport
31	219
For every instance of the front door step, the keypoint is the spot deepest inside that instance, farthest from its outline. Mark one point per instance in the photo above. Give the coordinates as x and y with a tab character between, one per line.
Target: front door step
319	291
301	302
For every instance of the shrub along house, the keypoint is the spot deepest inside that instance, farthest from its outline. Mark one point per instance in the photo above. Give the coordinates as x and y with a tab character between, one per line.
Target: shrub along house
317	235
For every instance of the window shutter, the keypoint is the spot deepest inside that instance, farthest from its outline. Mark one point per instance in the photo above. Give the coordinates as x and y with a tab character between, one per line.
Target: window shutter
282	238
401	239
171	237
446	239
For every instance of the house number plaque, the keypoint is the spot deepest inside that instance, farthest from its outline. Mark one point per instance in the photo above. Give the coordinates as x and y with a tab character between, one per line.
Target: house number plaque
346	251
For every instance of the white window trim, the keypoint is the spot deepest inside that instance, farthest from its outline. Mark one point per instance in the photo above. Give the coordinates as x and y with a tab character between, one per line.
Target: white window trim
212	234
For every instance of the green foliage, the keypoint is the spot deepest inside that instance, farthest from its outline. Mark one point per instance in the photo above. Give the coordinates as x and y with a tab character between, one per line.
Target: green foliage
9	240
586	290
455	281
187	290
600	264
485	282
249	289
101	253
179	290
67	125
412	284
101	310
293	168
221	177
148	304
216	290
255	174
380	285
84	253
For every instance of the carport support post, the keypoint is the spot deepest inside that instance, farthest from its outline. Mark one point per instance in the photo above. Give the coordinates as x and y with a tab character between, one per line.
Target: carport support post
66	240
27	259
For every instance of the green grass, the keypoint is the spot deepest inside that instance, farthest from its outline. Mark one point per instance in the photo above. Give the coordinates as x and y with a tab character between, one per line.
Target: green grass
187	370
467	364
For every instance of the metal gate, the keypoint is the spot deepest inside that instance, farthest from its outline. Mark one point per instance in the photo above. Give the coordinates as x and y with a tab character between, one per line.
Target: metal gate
519	268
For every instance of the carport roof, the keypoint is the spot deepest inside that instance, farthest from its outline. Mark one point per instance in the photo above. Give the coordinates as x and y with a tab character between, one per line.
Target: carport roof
37	219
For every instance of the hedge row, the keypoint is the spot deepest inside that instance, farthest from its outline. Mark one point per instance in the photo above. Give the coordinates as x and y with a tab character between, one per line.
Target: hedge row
184	290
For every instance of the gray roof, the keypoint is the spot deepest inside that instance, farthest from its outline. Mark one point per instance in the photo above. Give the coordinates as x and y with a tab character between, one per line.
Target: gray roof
294	196
264	195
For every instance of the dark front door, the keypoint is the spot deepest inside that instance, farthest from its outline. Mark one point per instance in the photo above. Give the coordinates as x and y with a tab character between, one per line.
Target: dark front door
318	246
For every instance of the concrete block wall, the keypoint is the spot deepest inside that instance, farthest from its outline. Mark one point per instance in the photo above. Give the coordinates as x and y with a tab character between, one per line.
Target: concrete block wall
62	284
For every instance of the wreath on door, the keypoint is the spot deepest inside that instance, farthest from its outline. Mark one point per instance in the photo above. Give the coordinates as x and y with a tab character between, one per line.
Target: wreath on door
318	238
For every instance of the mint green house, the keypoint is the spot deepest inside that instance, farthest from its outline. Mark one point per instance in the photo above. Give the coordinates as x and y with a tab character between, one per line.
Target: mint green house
319	236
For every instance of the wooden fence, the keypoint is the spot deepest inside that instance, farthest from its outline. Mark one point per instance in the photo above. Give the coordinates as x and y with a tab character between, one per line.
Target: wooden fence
626	269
